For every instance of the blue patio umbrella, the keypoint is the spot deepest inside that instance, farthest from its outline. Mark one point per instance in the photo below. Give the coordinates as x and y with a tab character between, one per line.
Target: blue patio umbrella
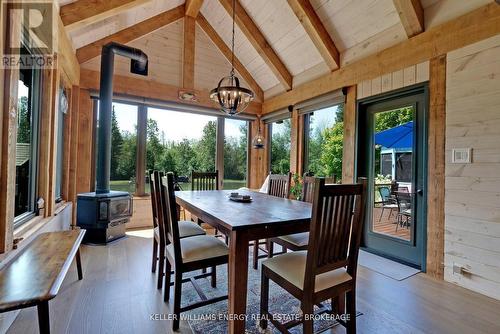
400	136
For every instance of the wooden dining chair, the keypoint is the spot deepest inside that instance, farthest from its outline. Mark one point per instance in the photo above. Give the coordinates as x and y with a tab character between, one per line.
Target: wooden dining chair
327	270
206	181
186	228
297	241
279	186
188	254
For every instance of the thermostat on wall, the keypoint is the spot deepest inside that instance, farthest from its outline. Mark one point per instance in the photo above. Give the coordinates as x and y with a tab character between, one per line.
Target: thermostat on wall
461	155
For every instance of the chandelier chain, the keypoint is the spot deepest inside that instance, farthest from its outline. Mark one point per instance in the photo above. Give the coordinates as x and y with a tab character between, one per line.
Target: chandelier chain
232	41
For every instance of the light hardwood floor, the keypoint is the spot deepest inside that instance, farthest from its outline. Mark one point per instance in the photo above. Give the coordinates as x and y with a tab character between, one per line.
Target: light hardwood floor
118	294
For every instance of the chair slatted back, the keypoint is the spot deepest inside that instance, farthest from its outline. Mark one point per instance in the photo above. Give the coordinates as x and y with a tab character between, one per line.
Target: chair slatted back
279	185
169	209
205	180
336	228
158	221
308	187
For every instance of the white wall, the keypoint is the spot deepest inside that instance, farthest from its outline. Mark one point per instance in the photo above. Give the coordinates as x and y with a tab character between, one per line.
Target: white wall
472	225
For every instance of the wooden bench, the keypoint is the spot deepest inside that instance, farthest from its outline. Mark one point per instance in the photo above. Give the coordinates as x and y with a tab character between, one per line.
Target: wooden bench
34	276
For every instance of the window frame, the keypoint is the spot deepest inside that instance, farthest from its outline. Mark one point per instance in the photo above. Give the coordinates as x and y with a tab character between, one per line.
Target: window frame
35	92
270	140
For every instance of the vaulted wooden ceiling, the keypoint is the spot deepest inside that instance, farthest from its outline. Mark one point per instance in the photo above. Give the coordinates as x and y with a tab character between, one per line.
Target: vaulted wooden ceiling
279	43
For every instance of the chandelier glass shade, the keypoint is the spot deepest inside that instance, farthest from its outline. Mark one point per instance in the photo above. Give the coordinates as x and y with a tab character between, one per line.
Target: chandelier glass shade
231	97
258	141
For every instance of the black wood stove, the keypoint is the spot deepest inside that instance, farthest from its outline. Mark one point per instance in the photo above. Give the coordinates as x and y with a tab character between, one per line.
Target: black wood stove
104	213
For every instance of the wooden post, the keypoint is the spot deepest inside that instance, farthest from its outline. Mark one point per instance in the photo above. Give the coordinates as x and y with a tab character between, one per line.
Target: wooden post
140	169
436	167
85	142
349	149
189	42
258	157
297	143
8	134
73	155
219	150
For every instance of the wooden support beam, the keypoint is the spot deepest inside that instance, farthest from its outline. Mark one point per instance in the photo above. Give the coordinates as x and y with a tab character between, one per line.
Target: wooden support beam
316	31
85	142
129	34
411	14
188	55
226	51
472	27
82	13
259	42
259	158
349	147
73	155
153	90
70	68
193	7
436	166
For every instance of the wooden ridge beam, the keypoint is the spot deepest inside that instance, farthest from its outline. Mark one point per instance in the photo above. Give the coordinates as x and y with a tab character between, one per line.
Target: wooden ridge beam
226	51
259	42
193	7
132	86
188	54
411	15
82	13
316	31
129	34
472	27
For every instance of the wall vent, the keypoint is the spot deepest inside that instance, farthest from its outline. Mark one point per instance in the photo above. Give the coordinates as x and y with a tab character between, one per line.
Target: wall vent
461	156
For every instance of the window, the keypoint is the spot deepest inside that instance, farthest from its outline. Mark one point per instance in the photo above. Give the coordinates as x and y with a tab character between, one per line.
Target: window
26	144
180	142
123	147
235	153
61	121
280	134
323	137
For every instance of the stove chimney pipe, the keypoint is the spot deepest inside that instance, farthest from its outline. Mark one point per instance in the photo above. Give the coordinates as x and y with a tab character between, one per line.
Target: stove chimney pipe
138	65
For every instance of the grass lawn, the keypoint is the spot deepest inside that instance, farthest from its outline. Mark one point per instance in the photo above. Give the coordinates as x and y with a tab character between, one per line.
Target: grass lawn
128	186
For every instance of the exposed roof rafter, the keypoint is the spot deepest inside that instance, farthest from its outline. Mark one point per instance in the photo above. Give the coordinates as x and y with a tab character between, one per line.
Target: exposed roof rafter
188	54
259	42
193	7
316	31
129	34
411	14
226	51
82	13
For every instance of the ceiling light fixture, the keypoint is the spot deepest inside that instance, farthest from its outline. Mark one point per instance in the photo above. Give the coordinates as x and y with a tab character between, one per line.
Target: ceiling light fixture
231	97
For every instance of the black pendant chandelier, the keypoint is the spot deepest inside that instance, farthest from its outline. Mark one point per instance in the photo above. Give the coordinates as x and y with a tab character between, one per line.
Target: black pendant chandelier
231	97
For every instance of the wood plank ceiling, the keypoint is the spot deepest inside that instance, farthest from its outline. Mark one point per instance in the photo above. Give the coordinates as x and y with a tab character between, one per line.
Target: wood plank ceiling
279	44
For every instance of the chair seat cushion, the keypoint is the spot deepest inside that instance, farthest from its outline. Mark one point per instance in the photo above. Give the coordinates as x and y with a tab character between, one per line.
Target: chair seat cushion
200	247
186	229
298	239
292	267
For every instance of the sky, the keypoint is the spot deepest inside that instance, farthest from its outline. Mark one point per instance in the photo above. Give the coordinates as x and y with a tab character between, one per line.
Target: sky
323	118
176	125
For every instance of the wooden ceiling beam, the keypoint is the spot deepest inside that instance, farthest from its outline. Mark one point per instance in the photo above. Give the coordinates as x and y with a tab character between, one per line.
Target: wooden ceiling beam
129	34
472	27
147	88
316	31
226	51
193	7
411	14
82	13
259	42
188	54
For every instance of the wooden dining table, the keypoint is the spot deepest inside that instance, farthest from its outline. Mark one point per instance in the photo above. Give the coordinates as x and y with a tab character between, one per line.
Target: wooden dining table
264	217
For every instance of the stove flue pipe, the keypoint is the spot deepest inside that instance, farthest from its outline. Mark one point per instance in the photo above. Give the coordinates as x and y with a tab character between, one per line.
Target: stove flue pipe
138	65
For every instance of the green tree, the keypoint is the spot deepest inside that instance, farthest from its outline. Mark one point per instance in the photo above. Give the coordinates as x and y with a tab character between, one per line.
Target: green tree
23	121
205	148
126	163
280	149
331	150
116	146
154	148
